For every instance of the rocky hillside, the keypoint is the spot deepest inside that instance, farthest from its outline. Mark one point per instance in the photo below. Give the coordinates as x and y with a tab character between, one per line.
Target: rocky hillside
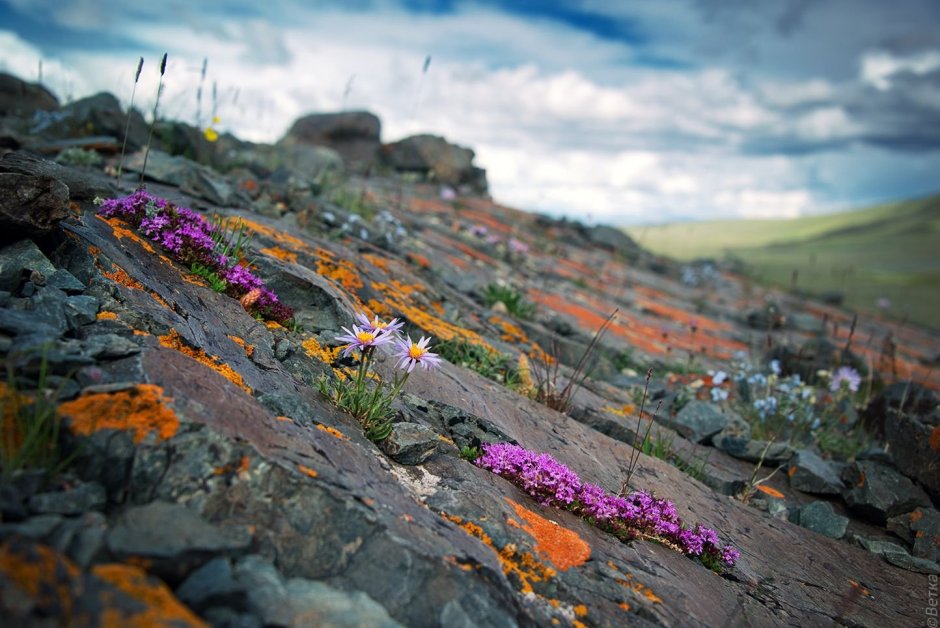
174	454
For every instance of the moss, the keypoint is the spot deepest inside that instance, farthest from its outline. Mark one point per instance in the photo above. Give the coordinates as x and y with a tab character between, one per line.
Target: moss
173	340
142	410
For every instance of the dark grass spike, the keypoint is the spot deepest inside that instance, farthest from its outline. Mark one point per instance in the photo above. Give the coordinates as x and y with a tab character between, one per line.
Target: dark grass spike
127	125
153	122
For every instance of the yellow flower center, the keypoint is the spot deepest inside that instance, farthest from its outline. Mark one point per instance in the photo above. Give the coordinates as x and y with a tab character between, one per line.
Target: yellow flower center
416	352
379	325
365	337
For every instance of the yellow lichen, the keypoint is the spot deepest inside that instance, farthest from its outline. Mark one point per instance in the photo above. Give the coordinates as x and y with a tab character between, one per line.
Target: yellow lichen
173	340
106	316
279	253
314	350
332	431
142	410
307	471
249	349
158	606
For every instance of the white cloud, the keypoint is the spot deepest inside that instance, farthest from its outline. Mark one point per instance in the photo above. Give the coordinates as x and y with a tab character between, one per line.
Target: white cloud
879	67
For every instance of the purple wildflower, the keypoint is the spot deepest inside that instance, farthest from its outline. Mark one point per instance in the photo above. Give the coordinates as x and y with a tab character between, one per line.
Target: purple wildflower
517	246
412	353
362	339
848	376
379	326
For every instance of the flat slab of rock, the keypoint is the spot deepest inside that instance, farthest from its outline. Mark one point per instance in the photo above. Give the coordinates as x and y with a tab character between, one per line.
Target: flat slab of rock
820	517
920	528
752	450
410	443
878	492
698	421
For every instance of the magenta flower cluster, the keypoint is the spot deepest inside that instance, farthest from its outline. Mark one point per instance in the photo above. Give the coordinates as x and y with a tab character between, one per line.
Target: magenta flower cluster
636	515
190	239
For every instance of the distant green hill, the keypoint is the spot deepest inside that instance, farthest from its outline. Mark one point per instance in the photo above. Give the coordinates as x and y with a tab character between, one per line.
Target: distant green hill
888	251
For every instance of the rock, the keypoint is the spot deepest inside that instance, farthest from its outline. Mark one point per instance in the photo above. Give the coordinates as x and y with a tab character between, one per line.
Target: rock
878	492
30	206
83	538
304	161
101	115
64	281
213	584
20	259
811	474
355	135
435	159
906	561
38	527
751	450
19	98
163	530
821	518
878	546
698	421
80	309
191	177
808	323
908	416
183	140
766	318
299	601
82	185
410	443
110	347
614	240
920	528
86	496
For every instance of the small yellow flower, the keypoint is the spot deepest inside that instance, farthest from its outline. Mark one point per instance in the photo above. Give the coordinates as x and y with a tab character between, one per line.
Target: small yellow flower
210	134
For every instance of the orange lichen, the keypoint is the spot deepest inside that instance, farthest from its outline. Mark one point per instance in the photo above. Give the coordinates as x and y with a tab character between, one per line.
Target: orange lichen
307	471
249	349
106	316
279	253
47	577
284	419
285	239
563	547
341	272
512	333
173	340
629	583
239	469
332	431
160	300
380	309
120	232
158	605
935	439
791	472
767	490
382	263
140	332
118	275
418	260
142	410
524	566
916	515
314	350
580	610
443	438
624	606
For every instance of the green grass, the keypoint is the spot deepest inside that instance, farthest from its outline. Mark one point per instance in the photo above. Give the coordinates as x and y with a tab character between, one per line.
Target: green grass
514	300
884	251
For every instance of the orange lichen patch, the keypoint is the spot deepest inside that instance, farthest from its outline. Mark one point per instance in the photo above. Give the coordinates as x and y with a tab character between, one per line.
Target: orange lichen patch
47	577
628	582
418	260
382	263
380	309
624	606
326	355
524	566
118	275
453	260
452	560
580	610
935	439
341	272
791	472
173	340
512	333
158	605
307	471
140	332
563	547
249	349
332	431
120	232
438	307
142	410
159	299
282	238
241	468
767	490
443	438
106	316
916	515
284	418
273	325
861	479
279	253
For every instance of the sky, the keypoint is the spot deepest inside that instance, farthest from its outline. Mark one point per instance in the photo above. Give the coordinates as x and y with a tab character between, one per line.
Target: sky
620	112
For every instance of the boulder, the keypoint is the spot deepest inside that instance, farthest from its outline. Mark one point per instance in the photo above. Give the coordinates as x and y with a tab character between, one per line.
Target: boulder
435	159
410	443
355	135
878	492
30	205
614	240
920	528
698	421
908	416
19	98
820	517
811	474
100	115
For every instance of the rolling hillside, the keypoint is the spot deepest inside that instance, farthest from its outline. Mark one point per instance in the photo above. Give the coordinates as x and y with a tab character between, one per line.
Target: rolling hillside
888	252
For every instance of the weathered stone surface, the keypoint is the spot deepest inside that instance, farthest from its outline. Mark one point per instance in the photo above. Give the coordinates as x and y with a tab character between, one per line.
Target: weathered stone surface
752	450
18	97
410	443
821	518
909	417
698	421
437	159
100	115
811	474
878	492
18	260
84	497
192	178
213	584
920	528
30	206
353	134
81	184
911	563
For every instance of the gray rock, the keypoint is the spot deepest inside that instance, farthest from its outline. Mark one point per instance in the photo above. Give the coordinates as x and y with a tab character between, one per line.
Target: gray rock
698	421
84	497
31	205
80	309
213	584
878	546
920	528
163	530
17	97
878	492
38	527
110	347
435	159
101	115
751	450
65	281
88	542
822	519
192	178
614	240
19	257
805	322
352	134
410	443
299	601
906	561
811	474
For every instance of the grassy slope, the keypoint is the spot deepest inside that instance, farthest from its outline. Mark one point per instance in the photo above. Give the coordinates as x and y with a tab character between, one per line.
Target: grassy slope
888	251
